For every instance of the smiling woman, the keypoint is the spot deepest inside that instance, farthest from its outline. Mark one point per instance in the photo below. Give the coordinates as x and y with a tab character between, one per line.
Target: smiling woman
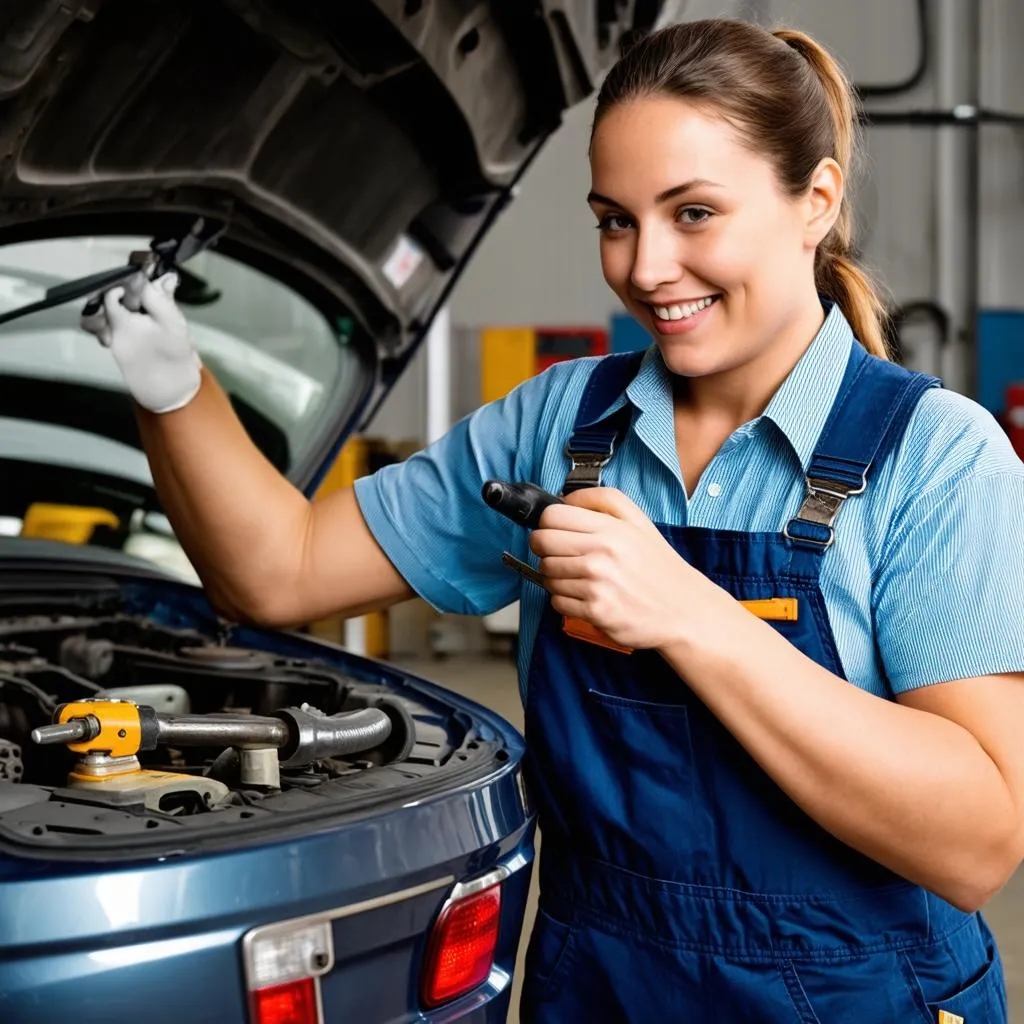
797	111
720	157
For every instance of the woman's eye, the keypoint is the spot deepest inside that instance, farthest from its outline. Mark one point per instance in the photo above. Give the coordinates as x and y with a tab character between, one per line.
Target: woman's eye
694	215
612	222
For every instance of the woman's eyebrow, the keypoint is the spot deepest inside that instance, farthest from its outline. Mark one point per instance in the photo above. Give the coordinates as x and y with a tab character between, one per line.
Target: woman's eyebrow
661	197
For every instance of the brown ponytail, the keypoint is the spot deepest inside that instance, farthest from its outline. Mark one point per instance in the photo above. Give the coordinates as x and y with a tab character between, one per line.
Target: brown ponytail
790	100
838	276
836	272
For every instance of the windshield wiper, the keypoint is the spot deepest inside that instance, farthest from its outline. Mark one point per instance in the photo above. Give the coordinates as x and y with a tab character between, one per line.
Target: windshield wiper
163	255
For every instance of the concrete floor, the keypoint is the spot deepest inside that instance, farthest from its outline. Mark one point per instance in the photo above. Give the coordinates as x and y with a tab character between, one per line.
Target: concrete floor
491	681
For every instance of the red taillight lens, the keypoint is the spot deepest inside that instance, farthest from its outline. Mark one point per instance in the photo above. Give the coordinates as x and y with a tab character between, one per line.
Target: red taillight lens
461	949
294	1003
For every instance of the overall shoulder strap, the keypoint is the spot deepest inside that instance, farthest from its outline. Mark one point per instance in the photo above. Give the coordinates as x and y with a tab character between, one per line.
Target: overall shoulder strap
868	419
594	438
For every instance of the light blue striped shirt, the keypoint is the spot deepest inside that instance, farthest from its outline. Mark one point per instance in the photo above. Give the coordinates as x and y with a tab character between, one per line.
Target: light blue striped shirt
925	580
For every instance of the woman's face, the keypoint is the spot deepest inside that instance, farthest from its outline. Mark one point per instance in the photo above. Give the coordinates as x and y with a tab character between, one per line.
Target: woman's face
698	239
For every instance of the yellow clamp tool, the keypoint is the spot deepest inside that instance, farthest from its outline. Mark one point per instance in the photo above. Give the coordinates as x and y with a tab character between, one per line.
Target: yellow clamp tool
113	727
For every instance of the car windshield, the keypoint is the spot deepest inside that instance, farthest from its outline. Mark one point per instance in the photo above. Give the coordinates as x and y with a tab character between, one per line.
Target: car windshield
63	403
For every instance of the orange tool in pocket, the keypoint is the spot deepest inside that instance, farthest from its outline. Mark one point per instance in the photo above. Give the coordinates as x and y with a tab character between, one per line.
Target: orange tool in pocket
774	609
778	609
581	630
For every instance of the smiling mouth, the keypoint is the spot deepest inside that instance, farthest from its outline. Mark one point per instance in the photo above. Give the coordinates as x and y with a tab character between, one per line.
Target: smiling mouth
684	311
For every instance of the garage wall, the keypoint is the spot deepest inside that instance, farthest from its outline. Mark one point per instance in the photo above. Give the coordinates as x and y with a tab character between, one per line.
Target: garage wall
540	263
1001	171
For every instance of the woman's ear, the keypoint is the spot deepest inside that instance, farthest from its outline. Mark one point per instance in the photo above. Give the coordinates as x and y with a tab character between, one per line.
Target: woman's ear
823	200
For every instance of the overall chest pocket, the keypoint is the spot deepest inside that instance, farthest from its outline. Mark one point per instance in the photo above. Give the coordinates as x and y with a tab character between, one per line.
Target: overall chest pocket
644	795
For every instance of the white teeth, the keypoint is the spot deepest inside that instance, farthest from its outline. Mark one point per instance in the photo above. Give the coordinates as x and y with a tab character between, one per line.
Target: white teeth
682	312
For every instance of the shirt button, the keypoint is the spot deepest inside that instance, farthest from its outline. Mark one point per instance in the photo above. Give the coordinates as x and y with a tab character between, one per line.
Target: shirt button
714	490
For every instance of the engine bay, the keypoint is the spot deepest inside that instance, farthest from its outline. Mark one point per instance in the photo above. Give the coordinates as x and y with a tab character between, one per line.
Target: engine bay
204	692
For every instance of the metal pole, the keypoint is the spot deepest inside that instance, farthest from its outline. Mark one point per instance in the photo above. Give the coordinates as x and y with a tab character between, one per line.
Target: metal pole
439	375
956	47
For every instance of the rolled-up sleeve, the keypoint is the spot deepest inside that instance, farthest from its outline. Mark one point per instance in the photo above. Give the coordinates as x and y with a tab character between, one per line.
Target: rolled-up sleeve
949	599
428	515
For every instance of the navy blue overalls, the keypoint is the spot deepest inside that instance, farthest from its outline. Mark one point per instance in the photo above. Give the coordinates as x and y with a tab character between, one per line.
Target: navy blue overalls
678	882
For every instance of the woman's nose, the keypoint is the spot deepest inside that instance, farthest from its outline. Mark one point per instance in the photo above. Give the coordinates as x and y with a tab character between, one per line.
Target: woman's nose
655	262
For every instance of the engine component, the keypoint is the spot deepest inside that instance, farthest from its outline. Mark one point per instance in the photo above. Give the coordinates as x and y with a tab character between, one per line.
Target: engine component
260	767
163	697
229	659
83	656
157	791
315	735
11	766
87	657
157	706
13	797
399	744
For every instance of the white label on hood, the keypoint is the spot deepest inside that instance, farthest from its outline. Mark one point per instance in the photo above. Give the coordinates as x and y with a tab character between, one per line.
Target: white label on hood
403	261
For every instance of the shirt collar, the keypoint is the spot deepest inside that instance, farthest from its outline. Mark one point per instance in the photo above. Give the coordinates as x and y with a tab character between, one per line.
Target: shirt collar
800	406
650	385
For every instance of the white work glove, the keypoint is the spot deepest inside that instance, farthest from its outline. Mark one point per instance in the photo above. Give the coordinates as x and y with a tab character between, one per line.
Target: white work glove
152	347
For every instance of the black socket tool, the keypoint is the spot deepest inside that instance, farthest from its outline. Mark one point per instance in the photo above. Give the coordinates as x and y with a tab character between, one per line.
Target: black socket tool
523	503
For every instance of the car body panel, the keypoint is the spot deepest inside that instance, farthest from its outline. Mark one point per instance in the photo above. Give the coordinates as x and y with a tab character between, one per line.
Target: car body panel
78	939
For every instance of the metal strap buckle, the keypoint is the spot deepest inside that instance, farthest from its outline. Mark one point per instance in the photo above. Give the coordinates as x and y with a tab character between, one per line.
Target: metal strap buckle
822	503
586	469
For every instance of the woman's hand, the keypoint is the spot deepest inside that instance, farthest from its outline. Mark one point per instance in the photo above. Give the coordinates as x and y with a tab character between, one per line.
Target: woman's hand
607	564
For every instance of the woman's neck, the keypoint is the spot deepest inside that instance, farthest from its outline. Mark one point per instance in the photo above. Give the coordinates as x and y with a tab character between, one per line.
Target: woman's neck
742	393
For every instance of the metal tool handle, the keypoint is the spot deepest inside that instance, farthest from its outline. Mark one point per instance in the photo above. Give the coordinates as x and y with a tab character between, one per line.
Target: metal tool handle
229	730
523	503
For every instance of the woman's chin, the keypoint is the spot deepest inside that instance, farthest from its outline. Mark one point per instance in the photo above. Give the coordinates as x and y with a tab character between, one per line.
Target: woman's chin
690	361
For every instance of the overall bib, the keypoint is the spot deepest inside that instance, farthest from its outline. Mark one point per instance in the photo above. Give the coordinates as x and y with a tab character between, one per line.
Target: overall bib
678	882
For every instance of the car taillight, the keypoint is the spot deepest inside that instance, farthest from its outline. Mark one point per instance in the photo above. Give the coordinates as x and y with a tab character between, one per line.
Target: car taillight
293	1003
283	965
460	952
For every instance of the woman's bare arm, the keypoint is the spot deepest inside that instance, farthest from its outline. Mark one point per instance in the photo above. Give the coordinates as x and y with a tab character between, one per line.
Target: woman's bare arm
263	551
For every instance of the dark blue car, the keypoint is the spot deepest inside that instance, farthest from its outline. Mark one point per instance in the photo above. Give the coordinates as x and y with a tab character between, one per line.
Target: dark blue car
199	820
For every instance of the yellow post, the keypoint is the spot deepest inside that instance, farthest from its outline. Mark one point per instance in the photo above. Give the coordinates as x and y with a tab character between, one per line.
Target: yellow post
71	524
508	356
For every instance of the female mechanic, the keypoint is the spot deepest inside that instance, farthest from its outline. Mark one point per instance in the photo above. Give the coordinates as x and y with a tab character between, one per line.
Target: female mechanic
790	801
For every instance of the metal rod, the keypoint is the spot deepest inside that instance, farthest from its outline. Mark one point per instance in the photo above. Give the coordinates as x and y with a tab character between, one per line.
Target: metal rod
75	731
228	731
965	115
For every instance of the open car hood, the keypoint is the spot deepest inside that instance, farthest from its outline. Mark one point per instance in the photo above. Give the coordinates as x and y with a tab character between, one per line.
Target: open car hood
356	151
